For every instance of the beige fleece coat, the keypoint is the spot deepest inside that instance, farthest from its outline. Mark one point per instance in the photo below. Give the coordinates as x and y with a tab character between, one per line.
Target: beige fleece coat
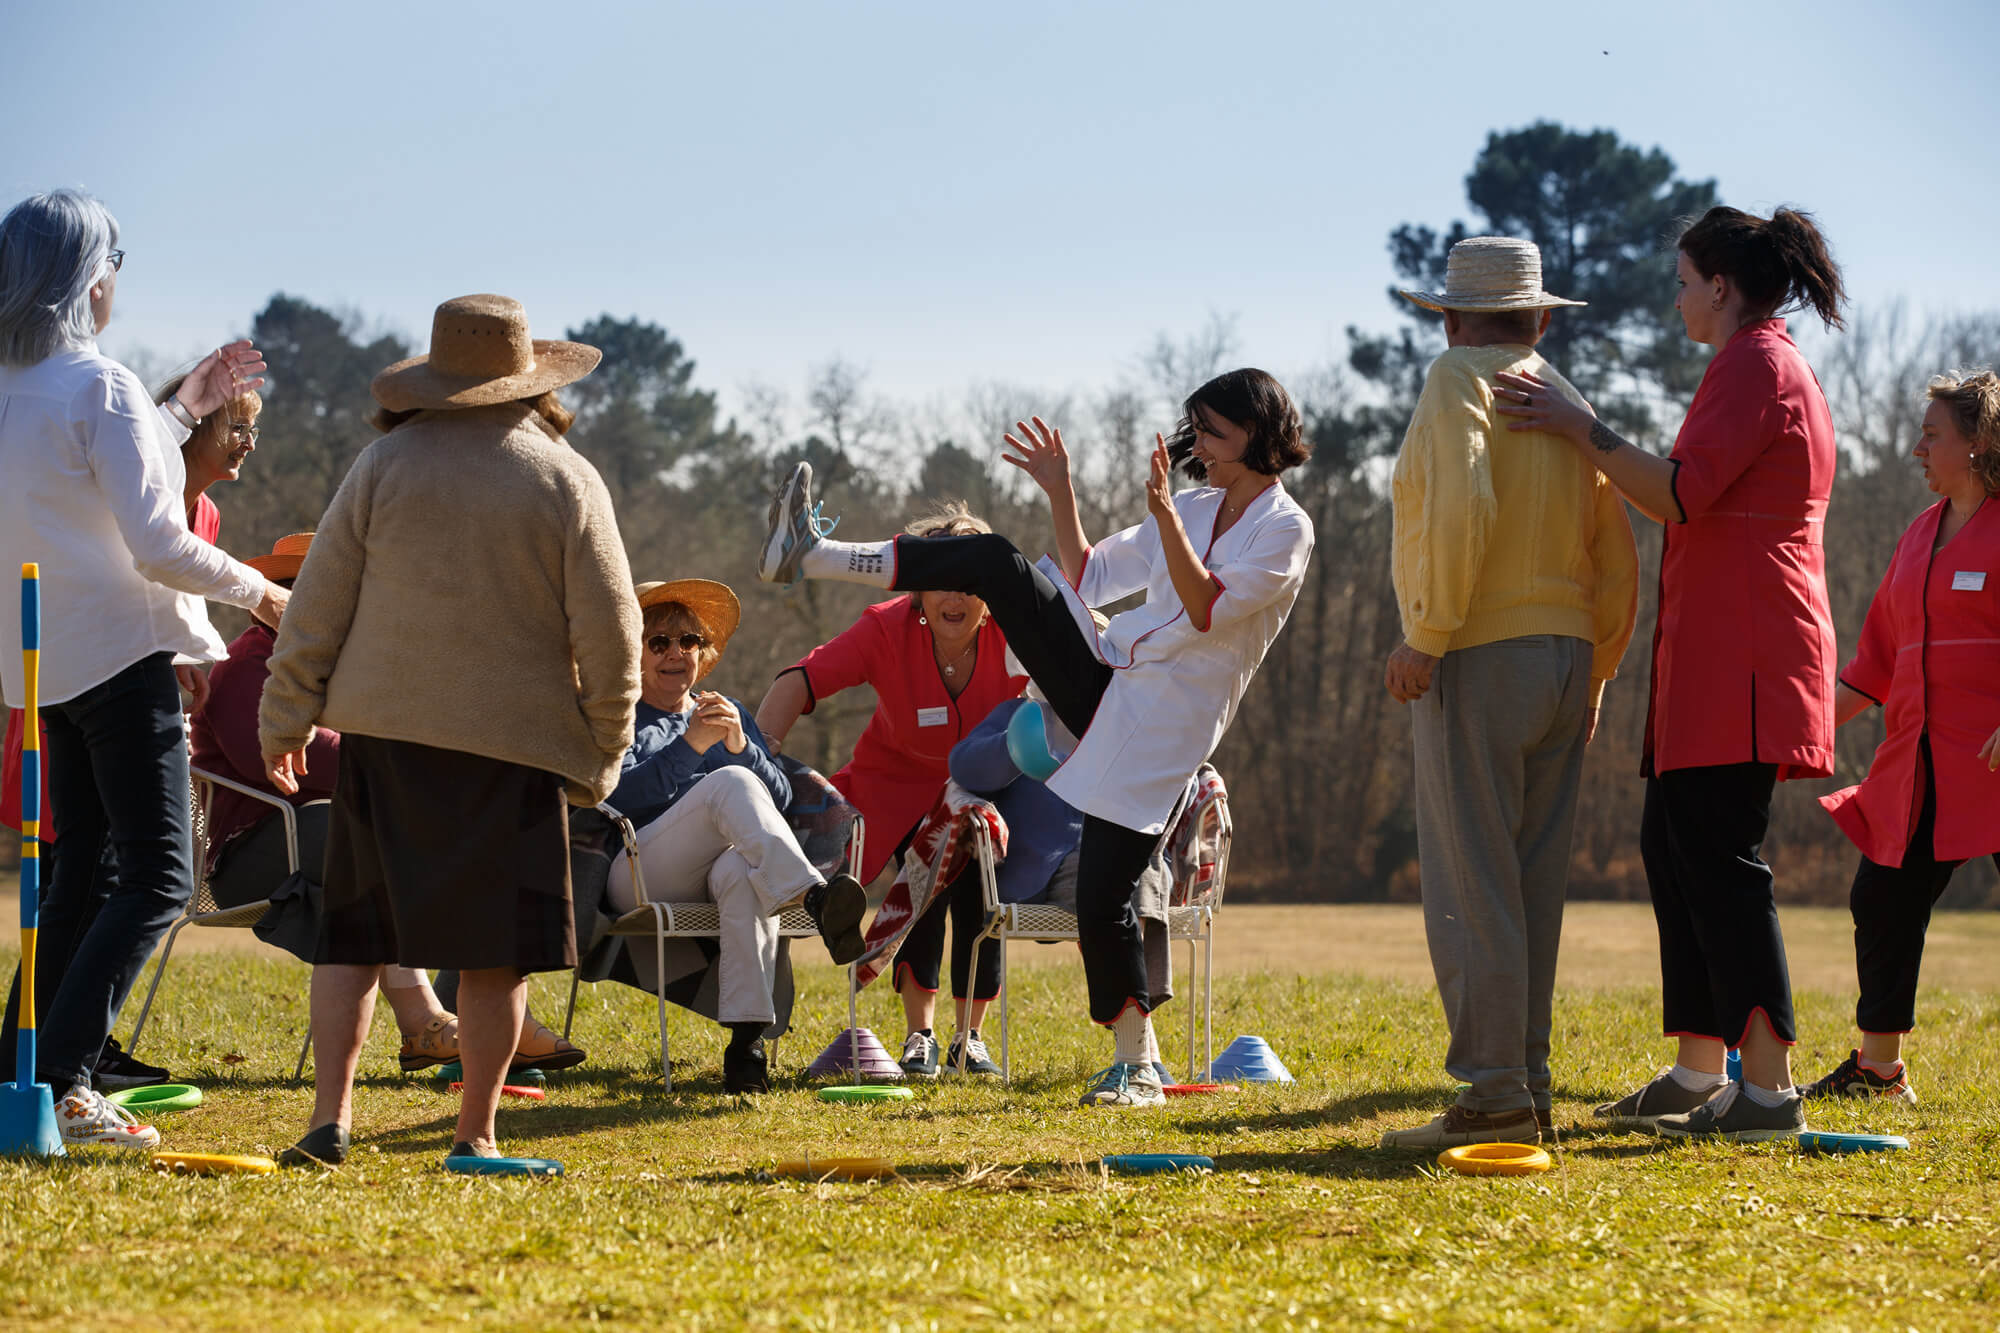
467	589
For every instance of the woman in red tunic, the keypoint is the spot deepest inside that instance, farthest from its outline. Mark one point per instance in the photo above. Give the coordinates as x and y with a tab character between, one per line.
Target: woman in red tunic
1930	656
937	662
1743	658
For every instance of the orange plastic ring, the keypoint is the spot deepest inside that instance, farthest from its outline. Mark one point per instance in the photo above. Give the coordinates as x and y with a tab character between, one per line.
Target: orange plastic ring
1495	1159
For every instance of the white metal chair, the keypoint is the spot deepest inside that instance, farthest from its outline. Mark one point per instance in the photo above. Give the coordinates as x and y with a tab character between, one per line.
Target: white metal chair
663	921
201	909
1198	857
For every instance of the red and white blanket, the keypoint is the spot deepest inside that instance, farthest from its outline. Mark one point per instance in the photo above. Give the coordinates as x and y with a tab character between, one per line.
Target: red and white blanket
939	849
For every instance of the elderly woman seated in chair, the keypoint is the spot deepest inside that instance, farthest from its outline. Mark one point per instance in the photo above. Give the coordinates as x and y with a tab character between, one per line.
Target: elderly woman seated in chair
705	796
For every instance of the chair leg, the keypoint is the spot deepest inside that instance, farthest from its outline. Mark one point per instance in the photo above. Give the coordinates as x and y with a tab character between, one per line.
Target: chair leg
160	971
305	1049
1006	990
1208	1001
1193	1075
853	1019
660	975
569	1015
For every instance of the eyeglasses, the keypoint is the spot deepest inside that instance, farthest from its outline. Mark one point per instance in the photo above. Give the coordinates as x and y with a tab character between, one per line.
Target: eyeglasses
243	432
116	259
689	642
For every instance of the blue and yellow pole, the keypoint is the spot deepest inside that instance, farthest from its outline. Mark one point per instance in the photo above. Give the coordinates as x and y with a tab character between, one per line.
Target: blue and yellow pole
27	1109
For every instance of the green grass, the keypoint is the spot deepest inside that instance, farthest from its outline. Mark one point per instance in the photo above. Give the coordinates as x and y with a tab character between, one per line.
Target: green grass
667	1218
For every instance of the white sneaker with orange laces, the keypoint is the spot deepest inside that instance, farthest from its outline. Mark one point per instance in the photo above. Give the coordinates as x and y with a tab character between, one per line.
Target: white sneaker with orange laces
87	1119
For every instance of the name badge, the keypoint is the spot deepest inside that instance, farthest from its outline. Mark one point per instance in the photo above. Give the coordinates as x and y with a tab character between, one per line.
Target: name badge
1969	580
933	717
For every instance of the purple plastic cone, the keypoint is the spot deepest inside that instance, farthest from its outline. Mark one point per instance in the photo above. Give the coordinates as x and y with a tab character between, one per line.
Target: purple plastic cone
1250	1060
857	1052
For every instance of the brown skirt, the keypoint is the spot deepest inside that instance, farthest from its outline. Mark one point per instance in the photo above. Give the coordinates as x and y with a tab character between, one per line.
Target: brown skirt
438	858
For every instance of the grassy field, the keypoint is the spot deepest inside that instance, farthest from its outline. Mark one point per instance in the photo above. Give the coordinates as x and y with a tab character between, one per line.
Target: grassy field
668	1217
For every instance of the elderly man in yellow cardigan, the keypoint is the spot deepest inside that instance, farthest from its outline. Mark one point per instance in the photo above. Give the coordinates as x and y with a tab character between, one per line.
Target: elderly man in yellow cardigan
1517	579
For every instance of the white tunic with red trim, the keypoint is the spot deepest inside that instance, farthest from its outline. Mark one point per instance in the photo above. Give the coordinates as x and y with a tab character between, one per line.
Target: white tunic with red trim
1176	687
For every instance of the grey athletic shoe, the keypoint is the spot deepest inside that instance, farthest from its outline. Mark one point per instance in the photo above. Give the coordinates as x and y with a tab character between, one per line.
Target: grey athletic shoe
1125	1085
1730	1114
1642	1110
795	528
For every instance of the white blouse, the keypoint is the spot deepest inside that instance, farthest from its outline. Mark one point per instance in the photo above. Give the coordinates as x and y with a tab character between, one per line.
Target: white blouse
91	481
1176	687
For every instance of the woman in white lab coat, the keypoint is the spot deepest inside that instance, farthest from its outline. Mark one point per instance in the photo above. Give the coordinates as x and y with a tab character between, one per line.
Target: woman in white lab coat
1152	694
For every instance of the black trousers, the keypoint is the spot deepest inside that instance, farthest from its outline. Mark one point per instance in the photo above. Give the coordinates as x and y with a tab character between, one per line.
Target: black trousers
118	772
1032	614
1892	911
1722	957
921	953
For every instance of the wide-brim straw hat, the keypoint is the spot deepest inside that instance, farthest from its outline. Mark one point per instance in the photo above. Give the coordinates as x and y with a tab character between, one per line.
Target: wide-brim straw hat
481	353
712	603
288	553
1489	273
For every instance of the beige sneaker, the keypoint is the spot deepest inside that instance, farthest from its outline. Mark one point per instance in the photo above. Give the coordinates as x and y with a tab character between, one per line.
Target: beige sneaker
1458	1126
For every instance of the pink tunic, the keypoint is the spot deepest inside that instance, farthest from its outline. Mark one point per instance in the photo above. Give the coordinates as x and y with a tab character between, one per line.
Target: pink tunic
1743	654
900	763
1930	655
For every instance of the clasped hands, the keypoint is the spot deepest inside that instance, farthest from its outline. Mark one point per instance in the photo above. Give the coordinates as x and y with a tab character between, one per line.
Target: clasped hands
715	719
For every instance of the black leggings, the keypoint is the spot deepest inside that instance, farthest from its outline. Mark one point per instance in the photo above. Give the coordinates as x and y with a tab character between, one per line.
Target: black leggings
1892	911
1722	957
922	950
1032	614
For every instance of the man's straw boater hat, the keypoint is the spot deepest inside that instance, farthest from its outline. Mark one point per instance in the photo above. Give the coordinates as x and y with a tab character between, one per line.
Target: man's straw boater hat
481	353
287	555
1488	273
712	603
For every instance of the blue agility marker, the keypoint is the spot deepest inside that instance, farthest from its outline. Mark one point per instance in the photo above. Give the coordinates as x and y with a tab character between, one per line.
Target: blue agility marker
27	1108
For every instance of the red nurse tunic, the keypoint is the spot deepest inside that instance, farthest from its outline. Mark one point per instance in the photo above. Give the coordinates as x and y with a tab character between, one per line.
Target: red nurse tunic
1930	655
901	762
1743	652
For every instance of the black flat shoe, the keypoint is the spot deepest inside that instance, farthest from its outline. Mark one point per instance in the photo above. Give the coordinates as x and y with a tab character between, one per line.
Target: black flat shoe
837	907
746	1069
462	1148
325	1146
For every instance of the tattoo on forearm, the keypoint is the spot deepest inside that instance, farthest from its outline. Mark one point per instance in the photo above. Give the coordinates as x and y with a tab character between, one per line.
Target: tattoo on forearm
1604	439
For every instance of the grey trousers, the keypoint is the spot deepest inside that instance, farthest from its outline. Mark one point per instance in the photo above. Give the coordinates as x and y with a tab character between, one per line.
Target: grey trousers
1499	753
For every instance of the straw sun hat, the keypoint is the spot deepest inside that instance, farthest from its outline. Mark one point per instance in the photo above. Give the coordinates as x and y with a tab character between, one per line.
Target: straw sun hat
287	555
1489	273
712	603
481	353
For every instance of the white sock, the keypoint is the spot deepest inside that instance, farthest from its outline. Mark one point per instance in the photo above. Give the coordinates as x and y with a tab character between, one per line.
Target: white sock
1133	1029
1694	1080
1769	1098
871	563
1152	1056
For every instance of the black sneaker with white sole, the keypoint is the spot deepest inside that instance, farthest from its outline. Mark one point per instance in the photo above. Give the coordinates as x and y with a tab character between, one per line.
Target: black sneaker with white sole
117	1069
836	907
968	1055
1734	1115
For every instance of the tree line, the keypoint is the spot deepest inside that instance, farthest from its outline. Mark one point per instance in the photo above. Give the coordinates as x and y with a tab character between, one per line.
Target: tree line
1318	759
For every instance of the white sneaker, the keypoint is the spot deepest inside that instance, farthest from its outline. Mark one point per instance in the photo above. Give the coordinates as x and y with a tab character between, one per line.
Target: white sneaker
1125	1085
86	1118
794	527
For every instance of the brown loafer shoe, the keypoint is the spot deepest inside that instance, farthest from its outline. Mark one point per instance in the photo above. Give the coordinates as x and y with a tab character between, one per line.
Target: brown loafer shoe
1458	1126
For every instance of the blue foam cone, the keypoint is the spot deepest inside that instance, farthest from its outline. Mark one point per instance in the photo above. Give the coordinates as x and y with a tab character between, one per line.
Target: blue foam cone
28	1121
857	1052
1249	1060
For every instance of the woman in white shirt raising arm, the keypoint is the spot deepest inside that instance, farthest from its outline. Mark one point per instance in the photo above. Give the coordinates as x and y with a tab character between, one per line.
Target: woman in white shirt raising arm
94	496
1153	693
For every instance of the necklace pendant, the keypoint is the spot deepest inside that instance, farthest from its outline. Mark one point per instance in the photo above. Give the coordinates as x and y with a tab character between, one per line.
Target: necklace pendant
950	670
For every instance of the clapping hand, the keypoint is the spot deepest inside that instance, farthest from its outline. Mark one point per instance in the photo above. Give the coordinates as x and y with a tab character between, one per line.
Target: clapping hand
1160	482
1040	454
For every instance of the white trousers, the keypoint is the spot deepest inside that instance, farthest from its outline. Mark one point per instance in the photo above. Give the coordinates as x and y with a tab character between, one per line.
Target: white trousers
724	842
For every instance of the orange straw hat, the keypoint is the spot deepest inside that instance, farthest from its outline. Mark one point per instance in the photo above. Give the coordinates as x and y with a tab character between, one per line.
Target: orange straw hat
287	555
712	603
481	353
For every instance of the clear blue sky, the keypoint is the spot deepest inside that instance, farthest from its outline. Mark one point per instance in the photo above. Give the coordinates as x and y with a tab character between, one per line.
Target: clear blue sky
948	193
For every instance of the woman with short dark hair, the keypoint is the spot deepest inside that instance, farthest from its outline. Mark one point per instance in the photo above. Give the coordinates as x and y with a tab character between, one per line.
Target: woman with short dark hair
1929	656
1743	657
1152	694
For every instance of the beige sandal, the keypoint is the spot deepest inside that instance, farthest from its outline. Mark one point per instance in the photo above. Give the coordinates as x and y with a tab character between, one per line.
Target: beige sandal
561	1052
437	1044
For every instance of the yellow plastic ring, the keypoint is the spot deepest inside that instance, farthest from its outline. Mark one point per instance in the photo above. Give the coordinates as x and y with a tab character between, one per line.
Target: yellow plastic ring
838	1168
1495	1159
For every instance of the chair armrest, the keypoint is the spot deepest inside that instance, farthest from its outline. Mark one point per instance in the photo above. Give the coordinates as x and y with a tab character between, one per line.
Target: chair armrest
630	837
284	807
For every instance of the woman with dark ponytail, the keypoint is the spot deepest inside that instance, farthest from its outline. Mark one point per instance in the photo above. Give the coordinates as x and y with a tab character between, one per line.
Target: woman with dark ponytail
1743	657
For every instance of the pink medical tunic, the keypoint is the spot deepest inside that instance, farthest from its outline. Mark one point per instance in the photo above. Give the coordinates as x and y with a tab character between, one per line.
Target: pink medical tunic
1930	655
1743	652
